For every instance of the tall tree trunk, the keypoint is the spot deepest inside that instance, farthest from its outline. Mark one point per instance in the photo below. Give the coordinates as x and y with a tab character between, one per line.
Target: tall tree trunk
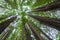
28	35
23	34
35	33
6	23
48	21
41	31
51	6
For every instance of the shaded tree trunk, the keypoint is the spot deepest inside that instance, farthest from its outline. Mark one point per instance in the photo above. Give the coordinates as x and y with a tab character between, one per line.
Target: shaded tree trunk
23	34
6	23
28	35
48	21
41	31
51	6
35	33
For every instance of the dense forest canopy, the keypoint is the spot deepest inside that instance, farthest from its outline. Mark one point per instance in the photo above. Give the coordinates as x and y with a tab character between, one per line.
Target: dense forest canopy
29	19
